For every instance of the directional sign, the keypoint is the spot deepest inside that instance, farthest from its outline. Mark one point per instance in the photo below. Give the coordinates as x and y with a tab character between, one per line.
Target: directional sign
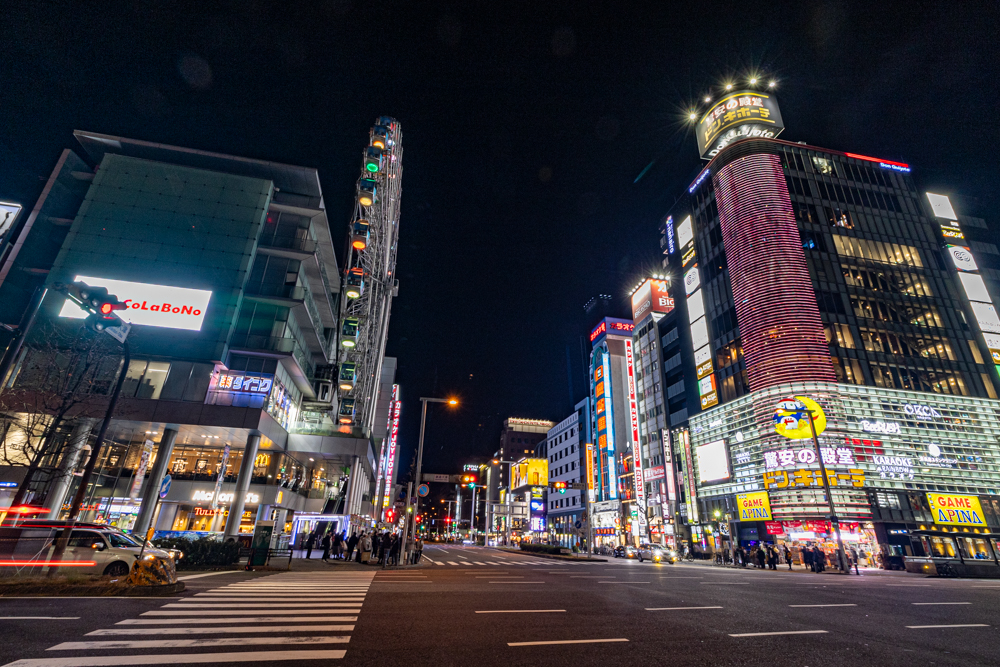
165	486
578	524
423	490
428	477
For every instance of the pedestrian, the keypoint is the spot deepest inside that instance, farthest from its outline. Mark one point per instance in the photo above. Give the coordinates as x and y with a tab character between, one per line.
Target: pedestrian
788	556
819	559
742	553
337	541
854	557
383	551
418	550
807	558
394	550
772	558
351	544
310	543
761	556
326	547
365	554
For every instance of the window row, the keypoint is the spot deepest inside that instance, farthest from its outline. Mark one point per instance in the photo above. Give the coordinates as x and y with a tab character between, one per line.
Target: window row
877	251
901	313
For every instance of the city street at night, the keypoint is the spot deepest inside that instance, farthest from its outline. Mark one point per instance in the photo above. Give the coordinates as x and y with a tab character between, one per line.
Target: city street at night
476	606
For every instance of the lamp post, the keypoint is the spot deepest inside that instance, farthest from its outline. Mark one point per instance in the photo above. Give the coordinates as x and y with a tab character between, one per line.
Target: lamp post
420	450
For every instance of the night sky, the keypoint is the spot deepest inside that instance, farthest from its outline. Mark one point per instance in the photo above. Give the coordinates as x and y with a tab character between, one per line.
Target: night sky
525	128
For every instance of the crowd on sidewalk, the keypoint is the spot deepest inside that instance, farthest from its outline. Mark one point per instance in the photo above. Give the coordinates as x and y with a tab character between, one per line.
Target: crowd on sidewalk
374	548
766	556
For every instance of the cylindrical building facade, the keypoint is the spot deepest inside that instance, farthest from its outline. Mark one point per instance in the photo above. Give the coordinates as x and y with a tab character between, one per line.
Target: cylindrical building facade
780	326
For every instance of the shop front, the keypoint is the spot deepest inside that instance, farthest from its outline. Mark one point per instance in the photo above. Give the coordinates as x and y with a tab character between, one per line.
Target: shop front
891	458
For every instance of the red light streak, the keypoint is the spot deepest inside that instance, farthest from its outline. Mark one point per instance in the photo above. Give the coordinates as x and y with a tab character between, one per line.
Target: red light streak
45	563
26	509
875	159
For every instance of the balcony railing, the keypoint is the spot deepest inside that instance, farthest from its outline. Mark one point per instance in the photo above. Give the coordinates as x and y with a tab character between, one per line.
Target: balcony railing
290	243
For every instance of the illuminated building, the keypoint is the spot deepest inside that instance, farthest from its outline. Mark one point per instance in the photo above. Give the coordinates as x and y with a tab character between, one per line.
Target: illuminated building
615	511
518	439
809	271
232	280
565	451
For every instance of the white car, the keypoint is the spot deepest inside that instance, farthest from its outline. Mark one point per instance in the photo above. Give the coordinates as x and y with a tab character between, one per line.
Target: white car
657	553
110	551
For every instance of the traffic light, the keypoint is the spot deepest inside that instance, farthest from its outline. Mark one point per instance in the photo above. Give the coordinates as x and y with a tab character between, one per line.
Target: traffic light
559	486
470	479
96	301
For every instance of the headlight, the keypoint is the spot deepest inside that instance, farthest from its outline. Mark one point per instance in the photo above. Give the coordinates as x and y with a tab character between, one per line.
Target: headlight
148	557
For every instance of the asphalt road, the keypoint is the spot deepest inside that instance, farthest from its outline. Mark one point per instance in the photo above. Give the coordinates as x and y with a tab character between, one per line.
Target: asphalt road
512	609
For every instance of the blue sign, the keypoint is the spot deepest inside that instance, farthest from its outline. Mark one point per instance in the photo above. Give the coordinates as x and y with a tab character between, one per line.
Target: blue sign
165	486
8	485
537	506
423	490
578	524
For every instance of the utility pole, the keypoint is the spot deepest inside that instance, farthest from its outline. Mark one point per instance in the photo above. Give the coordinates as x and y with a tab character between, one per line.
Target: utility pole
834	521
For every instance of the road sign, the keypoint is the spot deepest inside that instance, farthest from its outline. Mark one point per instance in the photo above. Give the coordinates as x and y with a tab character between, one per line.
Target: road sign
165	486
423	490
119	332
578	524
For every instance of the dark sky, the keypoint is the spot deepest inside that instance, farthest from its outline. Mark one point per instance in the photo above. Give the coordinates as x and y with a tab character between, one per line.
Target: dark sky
525	126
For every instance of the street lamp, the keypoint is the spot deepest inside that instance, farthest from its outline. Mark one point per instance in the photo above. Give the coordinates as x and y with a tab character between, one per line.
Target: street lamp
420	454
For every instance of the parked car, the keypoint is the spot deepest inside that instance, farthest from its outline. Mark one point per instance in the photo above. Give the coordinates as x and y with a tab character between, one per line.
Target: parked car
627	551
657	553
106	550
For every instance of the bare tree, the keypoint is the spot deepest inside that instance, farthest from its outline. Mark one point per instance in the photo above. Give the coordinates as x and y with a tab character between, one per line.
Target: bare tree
59	378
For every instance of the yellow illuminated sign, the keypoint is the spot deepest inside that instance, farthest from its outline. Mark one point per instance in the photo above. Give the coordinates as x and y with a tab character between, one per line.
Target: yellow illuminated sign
952	510
792	421
787	479
754	506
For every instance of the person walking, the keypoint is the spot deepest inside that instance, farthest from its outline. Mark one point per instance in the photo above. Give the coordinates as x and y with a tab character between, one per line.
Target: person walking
310	543
326	547
788	556
418	550
394	550
337	541
772	558
807	558
365	553
819	558
383	550
854	558
761	556
351	544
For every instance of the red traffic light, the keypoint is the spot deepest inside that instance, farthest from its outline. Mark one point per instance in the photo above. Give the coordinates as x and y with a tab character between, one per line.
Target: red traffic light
109	307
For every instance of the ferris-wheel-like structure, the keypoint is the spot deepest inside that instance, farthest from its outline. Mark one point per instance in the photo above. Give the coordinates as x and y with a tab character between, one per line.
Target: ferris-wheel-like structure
370	275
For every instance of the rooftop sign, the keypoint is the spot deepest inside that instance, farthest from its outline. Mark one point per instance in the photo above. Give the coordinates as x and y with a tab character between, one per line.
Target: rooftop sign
738	115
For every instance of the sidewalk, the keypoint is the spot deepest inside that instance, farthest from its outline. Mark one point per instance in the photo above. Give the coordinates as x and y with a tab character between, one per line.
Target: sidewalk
800	569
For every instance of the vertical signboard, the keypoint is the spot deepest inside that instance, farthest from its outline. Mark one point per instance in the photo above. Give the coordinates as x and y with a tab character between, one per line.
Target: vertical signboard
140	471
390	459
222	476
968	275
697	320
590	467
604	415
691	492
633	411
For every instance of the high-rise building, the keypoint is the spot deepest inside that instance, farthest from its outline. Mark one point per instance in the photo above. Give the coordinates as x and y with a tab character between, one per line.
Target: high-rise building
234	295
811	279
518	440
565	509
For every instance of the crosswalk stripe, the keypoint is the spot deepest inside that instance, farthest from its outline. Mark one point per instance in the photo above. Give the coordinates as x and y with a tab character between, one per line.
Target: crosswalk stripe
264	605
438	563
451	562
197	643
111	632
346	608
238	619
178	658
320	600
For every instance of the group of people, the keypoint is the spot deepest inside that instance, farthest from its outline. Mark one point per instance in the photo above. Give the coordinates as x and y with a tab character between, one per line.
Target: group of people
367	548
767	556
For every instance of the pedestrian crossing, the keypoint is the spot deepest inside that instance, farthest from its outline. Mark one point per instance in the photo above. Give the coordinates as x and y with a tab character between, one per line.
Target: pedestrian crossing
289	616
503	562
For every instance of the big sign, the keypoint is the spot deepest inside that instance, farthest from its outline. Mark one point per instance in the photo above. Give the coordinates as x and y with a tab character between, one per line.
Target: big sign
150	305
952	510
754	506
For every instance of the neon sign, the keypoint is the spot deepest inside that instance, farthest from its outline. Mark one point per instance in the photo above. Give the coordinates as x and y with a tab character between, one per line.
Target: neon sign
390	460
151	305
633	410
244	383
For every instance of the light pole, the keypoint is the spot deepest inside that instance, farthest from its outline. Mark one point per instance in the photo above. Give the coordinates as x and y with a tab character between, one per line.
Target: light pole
420	450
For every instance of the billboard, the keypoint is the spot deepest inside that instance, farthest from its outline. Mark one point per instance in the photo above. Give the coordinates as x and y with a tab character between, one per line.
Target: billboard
150	305
754	506
713	462
651	297
740	115
952	510
8	214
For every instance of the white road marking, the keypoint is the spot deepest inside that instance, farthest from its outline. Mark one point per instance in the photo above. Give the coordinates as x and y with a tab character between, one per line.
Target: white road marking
521	611
921	585
264	605
592	576
178	658
924	604
677	608
500	576
197	643
428	559
517	582
249	599
110	632
566	641
342	608
207	574
451	562
822	605
253	619
771	634
623	582
39	618
957	625
724	583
